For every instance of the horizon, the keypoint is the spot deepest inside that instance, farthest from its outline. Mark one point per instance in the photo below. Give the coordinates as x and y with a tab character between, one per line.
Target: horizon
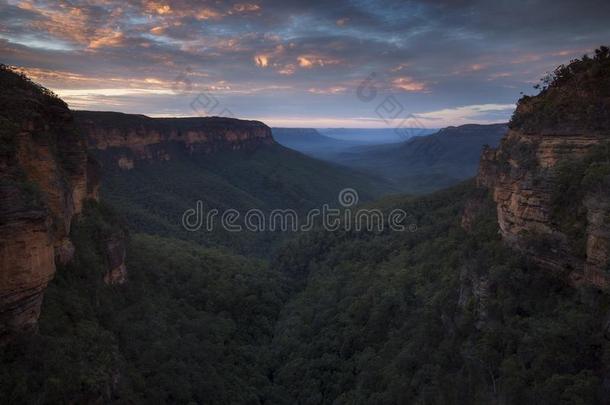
376	64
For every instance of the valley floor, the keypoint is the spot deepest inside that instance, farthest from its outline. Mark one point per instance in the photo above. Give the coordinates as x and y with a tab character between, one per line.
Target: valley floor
439	315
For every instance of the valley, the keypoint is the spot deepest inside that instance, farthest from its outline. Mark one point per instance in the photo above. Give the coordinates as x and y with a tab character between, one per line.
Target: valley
497	294
421	164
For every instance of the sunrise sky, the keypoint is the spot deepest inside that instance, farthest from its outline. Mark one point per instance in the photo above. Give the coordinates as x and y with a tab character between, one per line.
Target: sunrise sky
300	63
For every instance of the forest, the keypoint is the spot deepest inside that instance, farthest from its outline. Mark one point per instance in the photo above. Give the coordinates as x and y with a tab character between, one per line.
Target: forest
440	315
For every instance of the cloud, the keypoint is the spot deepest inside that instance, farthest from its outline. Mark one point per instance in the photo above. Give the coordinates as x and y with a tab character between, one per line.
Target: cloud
406	83
261	60
328	90
246	7
107	38
307	57
481	113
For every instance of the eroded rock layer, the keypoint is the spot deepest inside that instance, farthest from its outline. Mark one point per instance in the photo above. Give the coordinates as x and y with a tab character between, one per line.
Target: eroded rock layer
134	138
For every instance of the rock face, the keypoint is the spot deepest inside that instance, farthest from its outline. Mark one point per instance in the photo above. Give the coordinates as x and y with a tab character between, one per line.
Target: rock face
45	177
521	178
526	175
115	256
137	138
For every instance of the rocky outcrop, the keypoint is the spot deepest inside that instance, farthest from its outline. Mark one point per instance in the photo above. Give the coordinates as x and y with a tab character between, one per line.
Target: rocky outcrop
114	248
134	138
475	291
522	179
471	212
526	178
45	177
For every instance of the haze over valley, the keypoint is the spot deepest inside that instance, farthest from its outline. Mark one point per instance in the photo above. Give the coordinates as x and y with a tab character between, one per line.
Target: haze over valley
372	202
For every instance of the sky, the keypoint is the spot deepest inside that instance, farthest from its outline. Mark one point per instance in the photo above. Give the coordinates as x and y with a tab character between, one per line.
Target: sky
368	64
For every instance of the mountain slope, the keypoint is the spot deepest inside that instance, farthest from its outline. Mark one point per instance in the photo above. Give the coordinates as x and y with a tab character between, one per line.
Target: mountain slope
156	169
427	163
310	142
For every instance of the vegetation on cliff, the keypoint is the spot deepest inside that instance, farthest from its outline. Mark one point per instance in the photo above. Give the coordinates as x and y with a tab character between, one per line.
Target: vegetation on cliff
578	182
21	99
574	99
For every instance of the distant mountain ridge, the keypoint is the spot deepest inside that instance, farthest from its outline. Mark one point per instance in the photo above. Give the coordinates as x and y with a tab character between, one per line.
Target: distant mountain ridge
430	162
373	136
156	168
144	138
311	142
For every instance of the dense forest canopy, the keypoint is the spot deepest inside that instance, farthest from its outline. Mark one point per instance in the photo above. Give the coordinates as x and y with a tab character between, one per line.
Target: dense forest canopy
434	316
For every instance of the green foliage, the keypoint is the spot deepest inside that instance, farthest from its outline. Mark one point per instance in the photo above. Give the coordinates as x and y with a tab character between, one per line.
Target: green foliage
29	194
575	181
8	130
20	96
573	98
154	195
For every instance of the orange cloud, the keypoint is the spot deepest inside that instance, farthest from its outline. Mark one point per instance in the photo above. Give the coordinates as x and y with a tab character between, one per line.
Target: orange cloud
155	7
261	60
304	62
287	70
157	30
246	7
107	38
407	83
310	61
207	13
329	90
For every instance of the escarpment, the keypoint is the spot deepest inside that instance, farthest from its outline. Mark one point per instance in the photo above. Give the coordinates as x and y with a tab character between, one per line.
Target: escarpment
131	138
45	178
550	176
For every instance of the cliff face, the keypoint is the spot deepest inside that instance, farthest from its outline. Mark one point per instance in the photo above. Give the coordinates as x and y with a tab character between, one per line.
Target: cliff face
134	138
550	175
43	184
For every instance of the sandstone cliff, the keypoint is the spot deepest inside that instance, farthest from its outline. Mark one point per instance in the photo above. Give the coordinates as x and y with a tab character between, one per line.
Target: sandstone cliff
45	177
132	138
550	176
